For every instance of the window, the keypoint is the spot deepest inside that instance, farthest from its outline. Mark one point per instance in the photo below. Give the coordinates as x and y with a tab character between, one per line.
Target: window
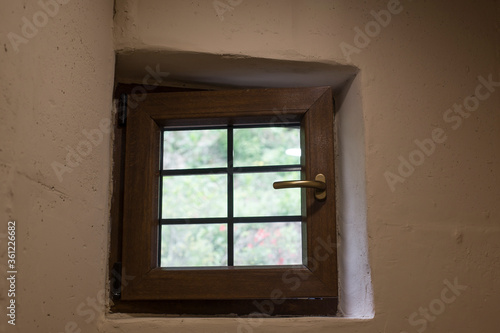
217	205
162	174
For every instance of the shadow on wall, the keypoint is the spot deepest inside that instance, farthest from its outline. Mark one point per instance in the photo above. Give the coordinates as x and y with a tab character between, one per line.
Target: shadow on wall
201	70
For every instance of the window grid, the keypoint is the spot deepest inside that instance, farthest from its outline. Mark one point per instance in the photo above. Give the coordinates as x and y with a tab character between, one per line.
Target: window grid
230	170
230	197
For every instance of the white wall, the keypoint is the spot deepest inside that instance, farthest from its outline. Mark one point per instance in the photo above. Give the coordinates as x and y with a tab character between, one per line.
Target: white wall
441	224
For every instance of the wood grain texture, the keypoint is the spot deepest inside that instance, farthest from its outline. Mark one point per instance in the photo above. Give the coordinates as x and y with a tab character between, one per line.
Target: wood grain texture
140	218
250	106
313	108
317	126
230	282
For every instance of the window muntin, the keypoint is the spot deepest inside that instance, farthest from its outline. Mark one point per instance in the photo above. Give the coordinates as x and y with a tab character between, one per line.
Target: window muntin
198	190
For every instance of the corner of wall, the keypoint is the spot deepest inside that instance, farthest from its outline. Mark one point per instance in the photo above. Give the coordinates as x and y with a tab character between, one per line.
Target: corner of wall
125	30
355	287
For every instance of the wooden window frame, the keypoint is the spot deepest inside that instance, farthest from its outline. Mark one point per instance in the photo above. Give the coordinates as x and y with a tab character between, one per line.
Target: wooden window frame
309	289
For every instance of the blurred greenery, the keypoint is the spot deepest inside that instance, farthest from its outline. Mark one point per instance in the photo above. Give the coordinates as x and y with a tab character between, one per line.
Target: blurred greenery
254	195
195	149
276	243
193	245
206	196
265	146
195	196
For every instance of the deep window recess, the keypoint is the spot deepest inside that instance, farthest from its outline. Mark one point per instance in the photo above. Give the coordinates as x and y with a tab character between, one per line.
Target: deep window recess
197	200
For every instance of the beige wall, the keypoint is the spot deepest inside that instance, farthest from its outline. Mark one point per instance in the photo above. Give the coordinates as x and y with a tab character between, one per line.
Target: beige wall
441	224
57	84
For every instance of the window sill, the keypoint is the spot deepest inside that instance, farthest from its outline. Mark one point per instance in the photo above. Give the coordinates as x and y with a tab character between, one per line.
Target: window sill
145	323
276	307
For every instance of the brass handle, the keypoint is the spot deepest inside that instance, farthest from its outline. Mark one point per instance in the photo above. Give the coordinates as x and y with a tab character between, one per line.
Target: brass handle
319	183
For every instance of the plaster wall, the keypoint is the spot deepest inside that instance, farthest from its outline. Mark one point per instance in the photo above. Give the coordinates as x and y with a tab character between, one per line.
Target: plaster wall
441	223
56	80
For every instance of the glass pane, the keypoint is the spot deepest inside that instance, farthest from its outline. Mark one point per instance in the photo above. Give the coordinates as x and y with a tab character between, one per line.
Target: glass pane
266	146
194	149
267	243
254	195
194	196
188	245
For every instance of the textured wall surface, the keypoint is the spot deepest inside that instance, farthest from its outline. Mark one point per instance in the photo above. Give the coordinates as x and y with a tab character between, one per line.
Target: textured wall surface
429	91
56	70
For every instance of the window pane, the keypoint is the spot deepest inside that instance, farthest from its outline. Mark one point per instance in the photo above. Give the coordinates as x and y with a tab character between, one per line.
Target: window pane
194	196
266	146
188	245
194	149
254	195
267	243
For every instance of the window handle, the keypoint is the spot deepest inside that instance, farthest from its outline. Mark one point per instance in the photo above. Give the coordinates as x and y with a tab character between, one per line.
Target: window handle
319	183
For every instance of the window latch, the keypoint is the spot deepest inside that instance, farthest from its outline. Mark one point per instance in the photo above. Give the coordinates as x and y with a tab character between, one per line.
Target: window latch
319	183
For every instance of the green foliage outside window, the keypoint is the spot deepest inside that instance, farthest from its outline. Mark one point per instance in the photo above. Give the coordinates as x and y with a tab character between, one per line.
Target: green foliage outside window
206	196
